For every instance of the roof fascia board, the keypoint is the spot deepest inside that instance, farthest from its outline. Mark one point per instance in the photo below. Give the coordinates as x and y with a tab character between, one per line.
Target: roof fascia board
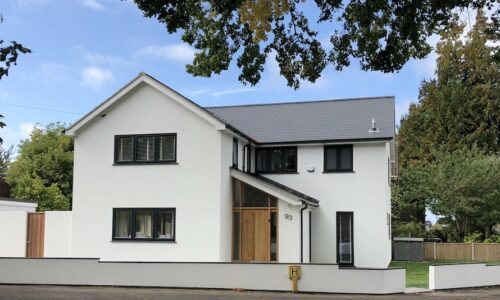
218	124
292	199
326	142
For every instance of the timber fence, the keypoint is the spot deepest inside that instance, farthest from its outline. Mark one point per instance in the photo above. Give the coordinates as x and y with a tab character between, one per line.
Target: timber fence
462	251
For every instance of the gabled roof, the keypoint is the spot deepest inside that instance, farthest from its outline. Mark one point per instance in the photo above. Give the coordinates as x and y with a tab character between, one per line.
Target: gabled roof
314	121
146	79
293	122
274	188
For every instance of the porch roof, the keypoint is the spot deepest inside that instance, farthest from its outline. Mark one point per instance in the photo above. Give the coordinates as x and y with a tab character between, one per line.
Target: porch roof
274	188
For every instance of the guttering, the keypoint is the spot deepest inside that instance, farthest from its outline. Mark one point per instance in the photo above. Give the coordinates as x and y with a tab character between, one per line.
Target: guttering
302	231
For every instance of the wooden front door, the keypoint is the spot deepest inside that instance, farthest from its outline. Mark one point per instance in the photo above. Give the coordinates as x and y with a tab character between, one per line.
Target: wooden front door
35	236
255	235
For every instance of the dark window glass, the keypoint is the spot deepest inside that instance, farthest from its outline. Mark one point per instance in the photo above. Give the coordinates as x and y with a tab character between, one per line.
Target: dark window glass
276	160
274	202
338	158
166	147
144	224
274	236
123	224
253	197
125	148
164	224
345	237
236	236
145	148
235	153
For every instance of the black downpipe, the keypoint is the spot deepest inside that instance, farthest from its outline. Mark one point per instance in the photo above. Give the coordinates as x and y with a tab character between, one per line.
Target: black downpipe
302	232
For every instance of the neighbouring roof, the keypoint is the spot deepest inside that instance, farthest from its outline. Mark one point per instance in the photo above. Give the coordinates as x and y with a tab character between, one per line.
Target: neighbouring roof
264	181
328	120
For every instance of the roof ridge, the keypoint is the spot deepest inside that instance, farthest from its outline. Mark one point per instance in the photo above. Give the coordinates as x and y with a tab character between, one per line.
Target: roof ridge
300	102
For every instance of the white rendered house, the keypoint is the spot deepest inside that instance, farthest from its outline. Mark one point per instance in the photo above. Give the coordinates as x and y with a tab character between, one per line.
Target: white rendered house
159	178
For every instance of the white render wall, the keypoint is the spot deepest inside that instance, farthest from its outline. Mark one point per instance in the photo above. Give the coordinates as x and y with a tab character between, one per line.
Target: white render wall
314	278
366	192
193	186
454	276
57	236
13	229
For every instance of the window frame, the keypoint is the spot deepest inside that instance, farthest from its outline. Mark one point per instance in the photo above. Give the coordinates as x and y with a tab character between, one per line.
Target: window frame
339	159
135	147
259	149
235	153
350	264
154	224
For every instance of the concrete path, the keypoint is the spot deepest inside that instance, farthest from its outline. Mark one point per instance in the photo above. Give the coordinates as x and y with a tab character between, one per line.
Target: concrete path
16	292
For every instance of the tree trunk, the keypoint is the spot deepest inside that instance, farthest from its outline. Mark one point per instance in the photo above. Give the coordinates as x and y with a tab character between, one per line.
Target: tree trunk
487	232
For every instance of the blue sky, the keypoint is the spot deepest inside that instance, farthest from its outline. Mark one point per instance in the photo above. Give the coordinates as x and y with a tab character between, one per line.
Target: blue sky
84	50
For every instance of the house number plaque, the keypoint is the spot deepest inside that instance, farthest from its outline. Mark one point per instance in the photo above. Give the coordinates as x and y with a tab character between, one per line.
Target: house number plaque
288	217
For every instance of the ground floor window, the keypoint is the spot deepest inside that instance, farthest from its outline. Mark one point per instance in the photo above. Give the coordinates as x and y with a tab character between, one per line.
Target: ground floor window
345	238
144	224
255	224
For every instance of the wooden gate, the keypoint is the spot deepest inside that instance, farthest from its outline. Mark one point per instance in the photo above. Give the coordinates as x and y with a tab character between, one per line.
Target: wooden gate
35	235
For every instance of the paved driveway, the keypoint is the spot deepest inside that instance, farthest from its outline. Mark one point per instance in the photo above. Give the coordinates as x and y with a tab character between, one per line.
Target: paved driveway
15	292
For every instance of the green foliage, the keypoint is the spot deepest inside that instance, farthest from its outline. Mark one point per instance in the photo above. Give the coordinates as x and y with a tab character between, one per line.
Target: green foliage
43	170
460	107
381	35
410	229
494	238
9	55
474	237
5	159
466	189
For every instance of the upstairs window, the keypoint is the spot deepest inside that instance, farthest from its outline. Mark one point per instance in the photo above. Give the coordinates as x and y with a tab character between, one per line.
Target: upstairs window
338	158
145	148
235	153
276	160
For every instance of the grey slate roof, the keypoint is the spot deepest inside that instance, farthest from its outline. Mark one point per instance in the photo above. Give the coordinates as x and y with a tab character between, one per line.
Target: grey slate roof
328	120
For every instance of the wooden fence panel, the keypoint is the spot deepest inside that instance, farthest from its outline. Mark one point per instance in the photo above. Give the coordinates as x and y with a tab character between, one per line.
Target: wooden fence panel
487	252
428	250
462	251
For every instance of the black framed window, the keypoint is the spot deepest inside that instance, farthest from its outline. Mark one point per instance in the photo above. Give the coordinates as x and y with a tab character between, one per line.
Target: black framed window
338	158
276	160
235	153
145	148
345	238
144	224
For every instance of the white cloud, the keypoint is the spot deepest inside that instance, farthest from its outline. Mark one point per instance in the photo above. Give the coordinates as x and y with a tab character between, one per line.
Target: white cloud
50	73
174	52
96	77
12	136
232	91
97	58
93	4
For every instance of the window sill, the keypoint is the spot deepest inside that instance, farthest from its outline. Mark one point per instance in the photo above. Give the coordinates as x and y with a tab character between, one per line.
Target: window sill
145	163
340	171
142	241
273	173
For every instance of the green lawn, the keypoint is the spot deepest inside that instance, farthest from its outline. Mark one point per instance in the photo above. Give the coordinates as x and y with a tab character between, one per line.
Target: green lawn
417	273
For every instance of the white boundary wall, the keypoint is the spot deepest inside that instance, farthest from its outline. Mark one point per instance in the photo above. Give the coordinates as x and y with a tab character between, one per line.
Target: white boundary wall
315	278
13	233
57	234
463	275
